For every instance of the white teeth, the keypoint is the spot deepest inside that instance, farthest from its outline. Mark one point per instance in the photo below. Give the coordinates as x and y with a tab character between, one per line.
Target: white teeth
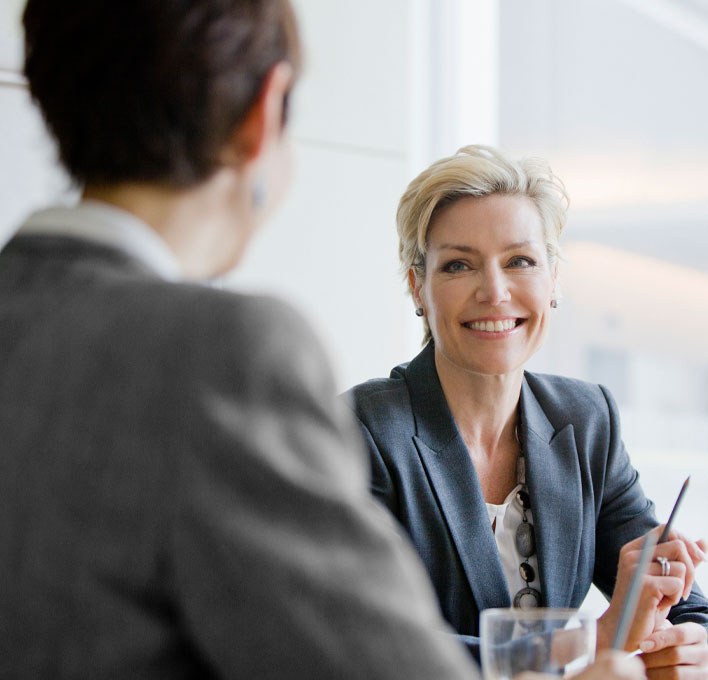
492	326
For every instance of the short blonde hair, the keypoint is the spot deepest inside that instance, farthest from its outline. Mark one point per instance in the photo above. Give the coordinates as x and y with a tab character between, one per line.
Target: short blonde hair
476	171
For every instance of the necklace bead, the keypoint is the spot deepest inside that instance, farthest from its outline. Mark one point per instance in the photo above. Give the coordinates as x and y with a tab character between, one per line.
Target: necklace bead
522	495
527	598
525	539
527	572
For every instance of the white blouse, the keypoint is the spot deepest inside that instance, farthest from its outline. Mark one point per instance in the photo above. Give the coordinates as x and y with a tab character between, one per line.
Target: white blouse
508	516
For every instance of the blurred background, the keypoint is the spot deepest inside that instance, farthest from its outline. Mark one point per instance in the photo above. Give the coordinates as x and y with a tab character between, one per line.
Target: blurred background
613	92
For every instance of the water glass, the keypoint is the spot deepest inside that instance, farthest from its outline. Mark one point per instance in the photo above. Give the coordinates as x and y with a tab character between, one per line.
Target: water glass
556	641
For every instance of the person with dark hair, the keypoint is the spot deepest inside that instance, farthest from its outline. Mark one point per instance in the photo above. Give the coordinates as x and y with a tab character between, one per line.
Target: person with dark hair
181	495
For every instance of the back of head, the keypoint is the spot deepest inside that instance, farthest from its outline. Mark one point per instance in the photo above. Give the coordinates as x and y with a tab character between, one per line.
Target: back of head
150	90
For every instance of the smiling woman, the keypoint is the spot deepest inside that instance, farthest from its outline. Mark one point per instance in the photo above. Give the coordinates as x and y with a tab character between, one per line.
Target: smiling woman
514	487
488	289
478	172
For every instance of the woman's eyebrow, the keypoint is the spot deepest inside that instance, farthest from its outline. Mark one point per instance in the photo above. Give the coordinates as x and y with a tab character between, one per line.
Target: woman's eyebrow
464	249
475	251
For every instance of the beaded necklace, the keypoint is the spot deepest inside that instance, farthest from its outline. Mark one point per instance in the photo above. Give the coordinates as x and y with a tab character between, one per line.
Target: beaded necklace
525	540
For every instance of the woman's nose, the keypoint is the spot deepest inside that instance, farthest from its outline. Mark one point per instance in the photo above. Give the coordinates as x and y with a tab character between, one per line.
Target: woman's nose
493	288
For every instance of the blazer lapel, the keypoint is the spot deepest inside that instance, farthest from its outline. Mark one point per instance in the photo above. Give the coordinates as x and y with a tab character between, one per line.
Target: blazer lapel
553	477
455	483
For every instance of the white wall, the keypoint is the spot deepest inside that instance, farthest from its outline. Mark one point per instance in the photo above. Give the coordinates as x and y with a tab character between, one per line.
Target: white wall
29	176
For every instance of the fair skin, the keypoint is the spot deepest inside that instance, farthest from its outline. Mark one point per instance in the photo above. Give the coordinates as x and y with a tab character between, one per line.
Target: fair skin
486	293
222	206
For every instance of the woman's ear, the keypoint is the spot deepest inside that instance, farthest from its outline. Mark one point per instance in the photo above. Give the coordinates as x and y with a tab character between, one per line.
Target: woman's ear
263	123
555	279
415	285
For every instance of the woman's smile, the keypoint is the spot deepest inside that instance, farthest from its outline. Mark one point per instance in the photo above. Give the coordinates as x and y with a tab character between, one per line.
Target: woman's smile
494	327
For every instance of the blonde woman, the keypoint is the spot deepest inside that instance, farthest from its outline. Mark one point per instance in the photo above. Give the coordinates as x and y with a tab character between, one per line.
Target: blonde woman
515	488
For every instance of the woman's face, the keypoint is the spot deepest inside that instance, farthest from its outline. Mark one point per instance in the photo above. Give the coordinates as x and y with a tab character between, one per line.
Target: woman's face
488	283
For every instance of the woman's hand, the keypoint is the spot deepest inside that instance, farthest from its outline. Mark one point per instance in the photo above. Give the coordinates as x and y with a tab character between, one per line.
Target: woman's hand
676	652
695	553
613	665
609	665
659	593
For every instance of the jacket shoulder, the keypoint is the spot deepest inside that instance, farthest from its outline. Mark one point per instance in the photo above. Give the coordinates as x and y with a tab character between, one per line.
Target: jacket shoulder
254	339
193	313
380	402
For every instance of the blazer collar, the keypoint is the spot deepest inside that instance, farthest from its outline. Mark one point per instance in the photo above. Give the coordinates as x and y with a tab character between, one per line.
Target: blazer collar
452	475
553	477
433	418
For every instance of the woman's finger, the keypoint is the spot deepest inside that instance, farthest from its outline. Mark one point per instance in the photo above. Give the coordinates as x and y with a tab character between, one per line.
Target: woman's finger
682	655
657	596
674	568
696	549
676	551
689	633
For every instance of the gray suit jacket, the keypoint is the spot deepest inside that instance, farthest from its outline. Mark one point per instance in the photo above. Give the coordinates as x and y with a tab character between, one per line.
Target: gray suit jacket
586	498
180	493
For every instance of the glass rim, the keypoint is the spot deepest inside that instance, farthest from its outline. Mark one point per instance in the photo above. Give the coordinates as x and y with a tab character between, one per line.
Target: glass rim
537	613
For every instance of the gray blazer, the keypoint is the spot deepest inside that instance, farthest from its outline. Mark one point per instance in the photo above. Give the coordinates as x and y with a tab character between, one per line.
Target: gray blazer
181	496
586	498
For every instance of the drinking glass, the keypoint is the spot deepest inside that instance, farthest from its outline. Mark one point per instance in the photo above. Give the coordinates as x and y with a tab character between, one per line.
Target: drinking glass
545	640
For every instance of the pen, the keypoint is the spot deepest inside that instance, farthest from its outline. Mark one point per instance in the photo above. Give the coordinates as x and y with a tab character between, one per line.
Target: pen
665	533
632	598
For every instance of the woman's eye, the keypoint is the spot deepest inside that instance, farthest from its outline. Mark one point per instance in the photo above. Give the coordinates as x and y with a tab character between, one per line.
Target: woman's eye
455	266
521	262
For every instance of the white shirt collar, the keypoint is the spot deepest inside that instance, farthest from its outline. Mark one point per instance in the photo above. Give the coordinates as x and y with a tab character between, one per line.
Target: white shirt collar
103	223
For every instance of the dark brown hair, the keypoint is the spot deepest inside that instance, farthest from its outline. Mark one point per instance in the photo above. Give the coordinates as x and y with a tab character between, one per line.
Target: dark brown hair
150	90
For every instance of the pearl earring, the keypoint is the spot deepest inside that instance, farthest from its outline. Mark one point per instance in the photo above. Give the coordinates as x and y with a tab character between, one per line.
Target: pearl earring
554	304
419	311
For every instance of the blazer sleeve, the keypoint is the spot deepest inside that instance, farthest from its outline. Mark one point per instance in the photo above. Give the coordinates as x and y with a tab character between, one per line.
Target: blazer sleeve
283	564
625	514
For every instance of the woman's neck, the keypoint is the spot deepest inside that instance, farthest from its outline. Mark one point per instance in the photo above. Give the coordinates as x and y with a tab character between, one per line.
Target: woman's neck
485	408
206	226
